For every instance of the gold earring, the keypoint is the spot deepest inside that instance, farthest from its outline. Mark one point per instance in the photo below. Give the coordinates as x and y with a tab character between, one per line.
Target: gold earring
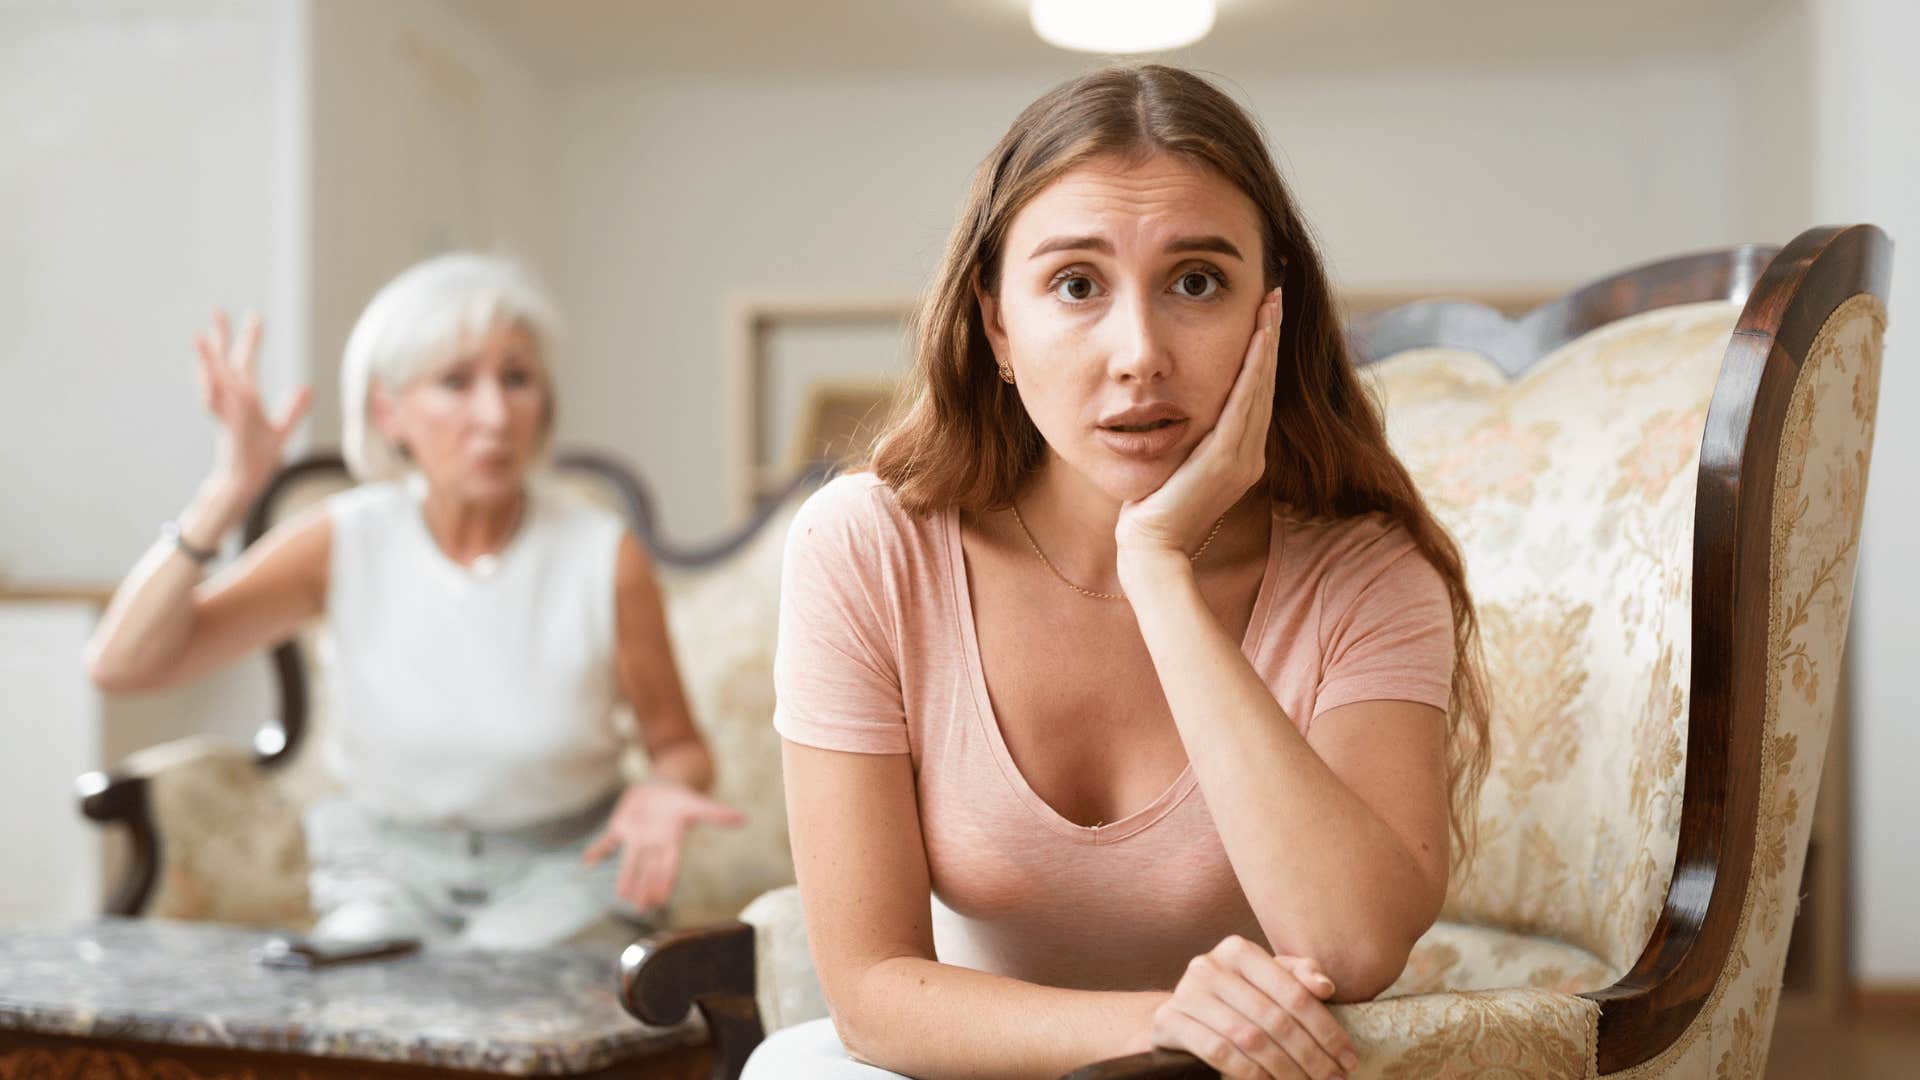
1006	373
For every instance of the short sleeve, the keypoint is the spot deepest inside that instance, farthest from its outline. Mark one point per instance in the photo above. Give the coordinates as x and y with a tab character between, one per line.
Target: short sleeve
1386	629
836	674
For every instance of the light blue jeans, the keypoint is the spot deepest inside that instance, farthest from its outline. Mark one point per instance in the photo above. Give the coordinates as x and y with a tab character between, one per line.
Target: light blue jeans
518	889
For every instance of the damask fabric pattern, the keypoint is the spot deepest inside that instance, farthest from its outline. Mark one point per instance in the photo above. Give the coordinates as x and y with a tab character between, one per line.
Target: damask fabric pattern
1457	956
230	838
1571	492
231	849
1819	491
722	620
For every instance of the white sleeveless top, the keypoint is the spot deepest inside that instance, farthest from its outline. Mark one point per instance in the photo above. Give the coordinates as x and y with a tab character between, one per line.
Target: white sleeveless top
481	699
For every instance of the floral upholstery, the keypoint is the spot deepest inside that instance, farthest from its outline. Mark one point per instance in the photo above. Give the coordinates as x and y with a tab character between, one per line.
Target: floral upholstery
1819	489
231	845
1571	491
722	620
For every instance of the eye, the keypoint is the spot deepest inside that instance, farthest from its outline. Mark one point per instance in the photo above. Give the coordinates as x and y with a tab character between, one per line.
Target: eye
1074	288
455	380
1199	284
516	378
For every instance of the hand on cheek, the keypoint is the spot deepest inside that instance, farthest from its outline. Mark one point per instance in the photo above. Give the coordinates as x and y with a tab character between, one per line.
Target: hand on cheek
1227	461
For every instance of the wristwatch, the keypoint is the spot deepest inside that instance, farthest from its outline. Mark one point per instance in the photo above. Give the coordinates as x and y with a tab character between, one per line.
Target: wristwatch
170	532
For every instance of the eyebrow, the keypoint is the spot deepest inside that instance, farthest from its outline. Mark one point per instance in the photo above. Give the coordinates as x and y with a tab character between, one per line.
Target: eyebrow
1219	245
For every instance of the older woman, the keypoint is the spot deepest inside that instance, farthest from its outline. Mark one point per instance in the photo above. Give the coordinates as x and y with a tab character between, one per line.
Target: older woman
1132	698
479	629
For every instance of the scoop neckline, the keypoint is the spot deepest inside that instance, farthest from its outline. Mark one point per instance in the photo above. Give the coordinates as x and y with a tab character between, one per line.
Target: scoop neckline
464	574
1133	822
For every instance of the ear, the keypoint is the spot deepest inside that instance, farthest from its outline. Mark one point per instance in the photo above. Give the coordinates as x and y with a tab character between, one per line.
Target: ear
990	320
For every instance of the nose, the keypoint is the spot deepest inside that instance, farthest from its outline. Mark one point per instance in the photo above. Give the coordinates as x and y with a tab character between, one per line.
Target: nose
489	403
1137	345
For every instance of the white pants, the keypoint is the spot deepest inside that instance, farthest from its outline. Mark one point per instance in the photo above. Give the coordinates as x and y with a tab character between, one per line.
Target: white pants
525	889
807	1050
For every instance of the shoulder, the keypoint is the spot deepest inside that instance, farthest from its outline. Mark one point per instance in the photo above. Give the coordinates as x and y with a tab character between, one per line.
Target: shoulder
1360	554
366	501
563	509
858	512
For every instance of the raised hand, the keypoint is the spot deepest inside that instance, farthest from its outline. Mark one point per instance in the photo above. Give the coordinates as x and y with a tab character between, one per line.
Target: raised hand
248	445
1253	1015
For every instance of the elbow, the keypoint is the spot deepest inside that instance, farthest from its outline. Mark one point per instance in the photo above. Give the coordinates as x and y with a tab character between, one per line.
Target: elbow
866	1030
108	676
1366	973
1362	960
860	1041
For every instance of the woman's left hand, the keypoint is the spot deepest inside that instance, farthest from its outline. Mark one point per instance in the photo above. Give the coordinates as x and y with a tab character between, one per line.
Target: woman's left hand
1227	461
648	827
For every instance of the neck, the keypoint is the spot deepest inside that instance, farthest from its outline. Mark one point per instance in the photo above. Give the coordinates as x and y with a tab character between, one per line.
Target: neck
1073	522
468	528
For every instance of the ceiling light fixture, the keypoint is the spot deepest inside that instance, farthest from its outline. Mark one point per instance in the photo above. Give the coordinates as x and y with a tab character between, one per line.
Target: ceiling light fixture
1121	26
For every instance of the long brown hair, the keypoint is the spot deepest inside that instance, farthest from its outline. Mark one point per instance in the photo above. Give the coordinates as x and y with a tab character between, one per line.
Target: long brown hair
963	439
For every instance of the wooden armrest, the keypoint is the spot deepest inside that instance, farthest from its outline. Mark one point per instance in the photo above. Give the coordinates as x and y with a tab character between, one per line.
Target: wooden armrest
664	976
122	797
1152	1065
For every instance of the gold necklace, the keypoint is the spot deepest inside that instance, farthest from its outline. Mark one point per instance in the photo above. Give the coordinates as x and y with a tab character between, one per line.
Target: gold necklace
1048	563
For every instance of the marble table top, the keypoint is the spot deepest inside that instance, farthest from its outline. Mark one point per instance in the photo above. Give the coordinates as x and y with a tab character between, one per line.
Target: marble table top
196	984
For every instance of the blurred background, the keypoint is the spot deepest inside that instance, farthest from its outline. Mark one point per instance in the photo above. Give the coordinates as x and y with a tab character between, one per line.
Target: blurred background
734	202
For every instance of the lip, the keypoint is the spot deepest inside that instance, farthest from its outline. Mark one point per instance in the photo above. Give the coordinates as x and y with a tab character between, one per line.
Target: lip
1143	444
1144	414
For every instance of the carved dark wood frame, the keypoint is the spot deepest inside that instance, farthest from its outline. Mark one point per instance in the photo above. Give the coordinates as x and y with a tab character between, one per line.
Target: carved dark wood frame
1788	295
109	797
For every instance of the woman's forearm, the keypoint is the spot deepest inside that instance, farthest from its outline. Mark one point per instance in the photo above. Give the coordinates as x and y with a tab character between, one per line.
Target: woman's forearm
932	1020
685	762
1326	876
150	619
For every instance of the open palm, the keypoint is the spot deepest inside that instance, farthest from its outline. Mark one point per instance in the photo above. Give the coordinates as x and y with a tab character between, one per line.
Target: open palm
248	445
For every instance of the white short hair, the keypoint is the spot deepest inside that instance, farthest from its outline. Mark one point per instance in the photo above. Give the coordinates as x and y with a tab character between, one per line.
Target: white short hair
415	322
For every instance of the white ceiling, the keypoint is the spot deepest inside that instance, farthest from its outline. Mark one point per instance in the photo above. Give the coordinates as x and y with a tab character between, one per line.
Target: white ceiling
600	38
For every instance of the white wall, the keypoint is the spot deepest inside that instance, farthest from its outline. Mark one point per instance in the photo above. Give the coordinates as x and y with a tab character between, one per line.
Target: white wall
421	135
1771	81
672	194
1866	95
146	177
137	186
50	735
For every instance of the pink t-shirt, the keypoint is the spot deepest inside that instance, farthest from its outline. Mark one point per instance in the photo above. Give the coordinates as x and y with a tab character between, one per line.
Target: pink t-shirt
877	655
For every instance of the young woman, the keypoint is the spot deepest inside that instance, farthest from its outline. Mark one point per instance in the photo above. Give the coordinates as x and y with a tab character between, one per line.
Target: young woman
1132	697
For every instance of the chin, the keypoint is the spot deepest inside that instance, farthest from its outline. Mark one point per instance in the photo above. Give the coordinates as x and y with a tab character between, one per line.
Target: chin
1127	481
489	484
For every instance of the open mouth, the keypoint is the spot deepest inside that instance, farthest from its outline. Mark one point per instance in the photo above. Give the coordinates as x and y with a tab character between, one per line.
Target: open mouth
1151	425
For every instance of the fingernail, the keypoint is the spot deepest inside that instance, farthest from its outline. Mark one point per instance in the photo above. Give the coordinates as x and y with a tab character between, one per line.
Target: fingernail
1349	1061
1325	982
